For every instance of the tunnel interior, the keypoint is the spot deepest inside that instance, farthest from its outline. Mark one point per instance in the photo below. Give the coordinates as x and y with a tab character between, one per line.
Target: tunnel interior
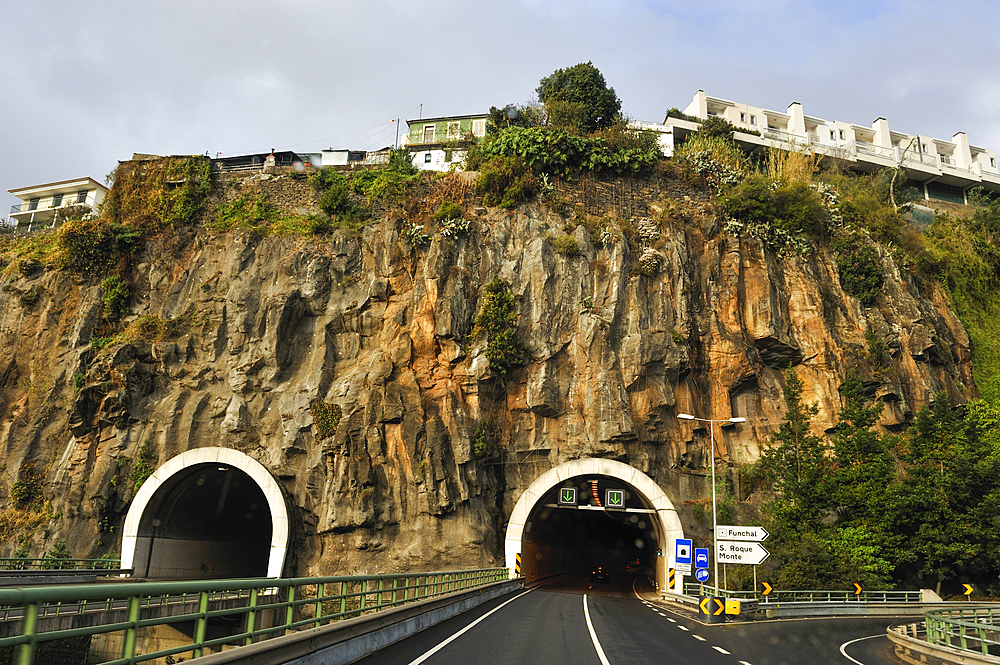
208	521
602	522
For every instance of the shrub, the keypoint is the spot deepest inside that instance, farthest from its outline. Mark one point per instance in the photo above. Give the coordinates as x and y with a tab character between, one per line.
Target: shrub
326	417
566	245
414	234
143	467
56	557
335	200
26	492
96	245
497	320
485	441
29	298
505	182
718	159
793	207
148	195
860	268
115	294
448	210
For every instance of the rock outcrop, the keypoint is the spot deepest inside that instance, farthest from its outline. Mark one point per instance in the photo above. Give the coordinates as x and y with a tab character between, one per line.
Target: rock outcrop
263	329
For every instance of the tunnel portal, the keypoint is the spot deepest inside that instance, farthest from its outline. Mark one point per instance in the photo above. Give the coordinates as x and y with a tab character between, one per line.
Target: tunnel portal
562	535
207	521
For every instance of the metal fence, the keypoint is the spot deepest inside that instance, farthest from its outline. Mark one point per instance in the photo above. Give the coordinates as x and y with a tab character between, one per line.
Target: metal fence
257	608
820	596
972	629
52	563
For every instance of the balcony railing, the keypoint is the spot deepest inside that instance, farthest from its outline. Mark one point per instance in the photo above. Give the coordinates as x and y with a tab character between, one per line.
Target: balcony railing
67	201
862	148
779	135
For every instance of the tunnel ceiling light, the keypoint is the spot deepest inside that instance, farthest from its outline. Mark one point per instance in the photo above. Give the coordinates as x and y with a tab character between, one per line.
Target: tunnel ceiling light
737	420
685	416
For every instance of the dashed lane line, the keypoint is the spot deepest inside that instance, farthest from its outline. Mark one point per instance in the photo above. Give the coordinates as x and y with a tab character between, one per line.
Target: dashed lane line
743	662
723	651
699	638
684	628
671	620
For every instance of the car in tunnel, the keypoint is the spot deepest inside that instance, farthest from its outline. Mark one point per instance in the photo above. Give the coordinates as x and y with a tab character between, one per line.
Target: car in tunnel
600	574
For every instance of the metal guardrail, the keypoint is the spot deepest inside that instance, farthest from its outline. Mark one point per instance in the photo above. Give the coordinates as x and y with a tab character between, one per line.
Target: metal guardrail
58	564
820	596
262	607
971	629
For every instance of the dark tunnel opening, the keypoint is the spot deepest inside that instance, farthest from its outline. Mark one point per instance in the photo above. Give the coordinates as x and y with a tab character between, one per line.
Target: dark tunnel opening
588	522
208	521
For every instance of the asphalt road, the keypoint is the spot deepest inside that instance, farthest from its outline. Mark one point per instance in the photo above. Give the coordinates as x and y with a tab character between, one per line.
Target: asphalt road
549	625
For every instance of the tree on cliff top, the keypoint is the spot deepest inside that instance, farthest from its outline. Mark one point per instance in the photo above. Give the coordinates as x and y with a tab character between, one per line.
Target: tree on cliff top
579	96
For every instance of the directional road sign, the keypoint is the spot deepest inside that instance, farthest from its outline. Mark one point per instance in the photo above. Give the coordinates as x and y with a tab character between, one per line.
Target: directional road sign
767	589
615	499
701	557
567	496
968	589
748	533
701	575
857	589
712	606
735	551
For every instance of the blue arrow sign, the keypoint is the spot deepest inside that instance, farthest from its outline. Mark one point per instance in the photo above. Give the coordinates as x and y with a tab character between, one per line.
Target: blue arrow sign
701	557
701	575
683	551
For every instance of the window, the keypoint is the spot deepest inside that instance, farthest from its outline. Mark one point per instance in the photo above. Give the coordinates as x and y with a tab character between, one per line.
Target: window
743	117
842	135
427	158
57	200
33	203
923	147
428	134
832	137
479	127
753	120
993	162
81	196
453	130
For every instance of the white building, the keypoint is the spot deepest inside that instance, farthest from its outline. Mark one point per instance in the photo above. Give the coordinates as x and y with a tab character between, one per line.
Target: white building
945	169
40	203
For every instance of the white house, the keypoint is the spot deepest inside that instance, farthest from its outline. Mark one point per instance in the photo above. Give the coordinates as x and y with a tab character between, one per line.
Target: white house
945	169
40	203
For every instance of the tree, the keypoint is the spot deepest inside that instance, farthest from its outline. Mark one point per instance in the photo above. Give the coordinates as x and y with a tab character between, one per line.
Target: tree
579	95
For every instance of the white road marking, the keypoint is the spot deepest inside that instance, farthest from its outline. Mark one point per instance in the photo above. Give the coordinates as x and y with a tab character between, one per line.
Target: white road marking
454	637
843	647
721	650
684	628
593	635
661	614
671	620
743	662
699	638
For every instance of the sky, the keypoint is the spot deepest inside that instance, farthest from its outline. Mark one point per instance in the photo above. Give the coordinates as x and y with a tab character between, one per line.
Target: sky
89	84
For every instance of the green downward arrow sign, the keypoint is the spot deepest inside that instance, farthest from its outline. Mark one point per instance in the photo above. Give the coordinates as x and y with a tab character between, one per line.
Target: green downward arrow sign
616	497
567	496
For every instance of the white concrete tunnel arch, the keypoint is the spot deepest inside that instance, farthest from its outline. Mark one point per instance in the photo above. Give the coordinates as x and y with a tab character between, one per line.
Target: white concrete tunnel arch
670	522
212	455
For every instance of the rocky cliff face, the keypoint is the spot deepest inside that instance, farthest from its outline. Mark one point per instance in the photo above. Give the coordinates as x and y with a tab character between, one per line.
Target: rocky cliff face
262	329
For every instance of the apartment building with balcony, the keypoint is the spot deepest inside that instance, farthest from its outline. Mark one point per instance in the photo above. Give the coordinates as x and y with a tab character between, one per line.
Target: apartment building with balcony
40	204
944	169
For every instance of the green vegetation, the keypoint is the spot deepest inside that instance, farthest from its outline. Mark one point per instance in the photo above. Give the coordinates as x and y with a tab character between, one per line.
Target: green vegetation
566	245
115	294
879	509
253	212
326	417
578	97
485	440
56	558
505	182
28	299
448	210
497	319
143	467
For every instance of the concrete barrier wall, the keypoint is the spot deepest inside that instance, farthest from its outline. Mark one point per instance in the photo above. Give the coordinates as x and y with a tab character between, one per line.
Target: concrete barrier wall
346	641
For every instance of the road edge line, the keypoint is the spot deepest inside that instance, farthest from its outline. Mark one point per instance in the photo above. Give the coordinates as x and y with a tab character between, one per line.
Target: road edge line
843	647
593	635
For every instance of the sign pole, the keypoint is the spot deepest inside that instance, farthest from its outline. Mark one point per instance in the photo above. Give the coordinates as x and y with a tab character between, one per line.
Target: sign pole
715	523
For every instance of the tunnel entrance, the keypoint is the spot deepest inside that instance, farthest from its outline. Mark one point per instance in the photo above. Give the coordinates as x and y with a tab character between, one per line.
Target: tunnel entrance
209	521
592	512
575	525
208	513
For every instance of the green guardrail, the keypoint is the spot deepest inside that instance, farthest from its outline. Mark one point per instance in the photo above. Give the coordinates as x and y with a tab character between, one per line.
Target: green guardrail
59	564
972	629
822	596
262	607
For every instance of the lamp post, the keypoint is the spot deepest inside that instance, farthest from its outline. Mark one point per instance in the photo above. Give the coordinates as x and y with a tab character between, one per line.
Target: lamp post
715	525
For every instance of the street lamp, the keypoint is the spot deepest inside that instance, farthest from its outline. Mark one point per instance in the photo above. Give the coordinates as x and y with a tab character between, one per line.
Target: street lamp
715	525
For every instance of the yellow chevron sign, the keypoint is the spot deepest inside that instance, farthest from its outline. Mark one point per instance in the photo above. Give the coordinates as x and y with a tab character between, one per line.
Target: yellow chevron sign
968	589
670	578
720	606
517	563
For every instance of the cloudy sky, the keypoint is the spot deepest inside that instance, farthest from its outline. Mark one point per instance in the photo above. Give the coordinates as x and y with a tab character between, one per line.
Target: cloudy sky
89	84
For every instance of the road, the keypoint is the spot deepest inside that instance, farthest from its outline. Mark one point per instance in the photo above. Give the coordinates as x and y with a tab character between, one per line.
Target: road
549	625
